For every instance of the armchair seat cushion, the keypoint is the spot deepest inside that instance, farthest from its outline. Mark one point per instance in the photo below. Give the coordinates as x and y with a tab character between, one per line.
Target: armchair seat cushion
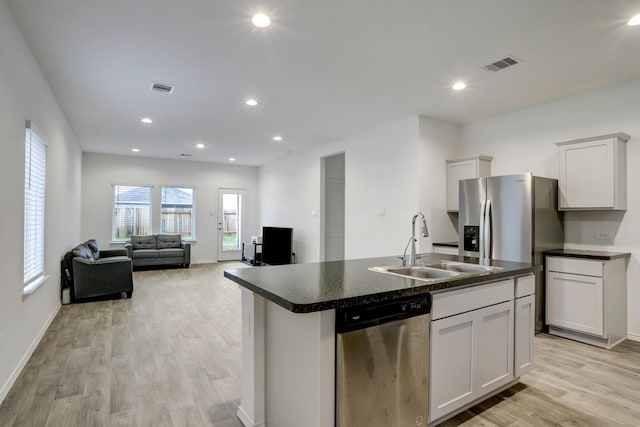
145	253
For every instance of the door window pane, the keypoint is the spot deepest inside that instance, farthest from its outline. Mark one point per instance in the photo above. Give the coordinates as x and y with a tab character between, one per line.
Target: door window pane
231	210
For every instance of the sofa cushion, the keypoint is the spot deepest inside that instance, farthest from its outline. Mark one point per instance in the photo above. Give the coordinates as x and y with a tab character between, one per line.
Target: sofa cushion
83	251
170	252
165	241
93	245
143	242
145	253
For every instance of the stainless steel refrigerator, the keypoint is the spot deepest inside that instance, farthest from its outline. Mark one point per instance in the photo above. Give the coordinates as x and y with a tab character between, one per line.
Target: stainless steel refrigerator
511	218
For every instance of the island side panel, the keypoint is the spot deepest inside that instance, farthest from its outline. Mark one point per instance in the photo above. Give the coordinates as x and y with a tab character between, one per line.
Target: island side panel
252	400
300	367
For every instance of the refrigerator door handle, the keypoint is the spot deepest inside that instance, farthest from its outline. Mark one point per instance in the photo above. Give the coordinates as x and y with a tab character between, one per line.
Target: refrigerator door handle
487	231
481	234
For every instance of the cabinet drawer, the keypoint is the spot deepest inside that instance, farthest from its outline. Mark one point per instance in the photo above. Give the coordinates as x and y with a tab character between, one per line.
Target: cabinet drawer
574	266
525	285
459	301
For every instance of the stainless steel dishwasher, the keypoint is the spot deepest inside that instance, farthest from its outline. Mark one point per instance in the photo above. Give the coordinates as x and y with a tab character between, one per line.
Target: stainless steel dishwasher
382	358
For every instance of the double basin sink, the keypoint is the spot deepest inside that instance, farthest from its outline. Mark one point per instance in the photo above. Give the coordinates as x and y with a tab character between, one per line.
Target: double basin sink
432	272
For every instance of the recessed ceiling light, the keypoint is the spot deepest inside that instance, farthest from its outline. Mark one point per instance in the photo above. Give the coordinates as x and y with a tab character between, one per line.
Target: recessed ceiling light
260	20
135	150
458	86
232	159
200	145
146	120
277	138
634	21
252	102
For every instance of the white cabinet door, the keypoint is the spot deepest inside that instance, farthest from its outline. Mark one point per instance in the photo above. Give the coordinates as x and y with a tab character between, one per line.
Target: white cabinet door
575	302
452	364
525	331
464	168
471	355
494	342
593	173
456	171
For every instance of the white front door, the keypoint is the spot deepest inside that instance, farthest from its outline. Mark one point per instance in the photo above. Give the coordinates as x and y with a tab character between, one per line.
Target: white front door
231	223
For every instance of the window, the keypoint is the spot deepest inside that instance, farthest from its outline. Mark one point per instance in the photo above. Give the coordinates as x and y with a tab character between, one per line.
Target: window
131	211
35	165
176	212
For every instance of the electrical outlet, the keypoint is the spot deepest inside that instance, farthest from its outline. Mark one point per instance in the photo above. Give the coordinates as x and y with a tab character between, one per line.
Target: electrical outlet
603	235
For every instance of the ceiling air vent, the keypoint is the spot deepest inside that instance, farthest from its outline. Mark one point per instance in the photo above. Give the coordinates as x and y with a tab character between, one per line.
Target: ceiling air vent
501	64
162	88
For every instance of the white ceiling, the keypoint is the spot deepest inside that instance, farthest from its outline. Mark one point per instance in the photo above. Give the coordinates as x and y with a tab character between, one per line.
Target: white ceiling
323	71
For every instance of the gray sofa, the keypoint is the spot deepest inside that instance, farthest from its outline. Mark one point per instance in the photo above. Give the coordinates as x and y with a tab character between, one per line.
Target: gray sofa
159	249
92	273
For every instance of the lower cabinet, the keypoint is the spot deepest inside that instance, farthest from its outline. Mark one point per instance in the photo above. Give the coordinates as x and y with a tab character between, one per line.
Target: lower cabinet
575	302
587	299
471	355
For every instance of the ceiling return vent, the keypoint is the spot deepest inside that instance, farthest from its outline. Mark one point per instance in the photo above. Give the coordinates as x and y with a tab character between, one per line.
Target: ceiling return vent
162	88
502	64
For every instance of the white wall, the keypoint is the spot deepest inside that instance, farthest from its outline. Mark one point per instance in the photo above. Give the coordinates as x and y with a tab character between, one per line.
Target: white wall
523	141
100	171
388	172
439	142
26	95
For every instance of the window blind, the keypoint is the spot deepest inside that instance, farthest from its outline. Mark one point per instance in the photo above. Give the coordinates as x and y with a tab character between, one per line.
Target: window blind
35	166
131	211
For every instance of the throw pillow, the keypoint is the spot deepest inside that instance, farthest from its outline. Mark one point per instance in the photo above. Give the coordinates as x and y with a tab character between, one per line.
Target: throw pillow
93	245
83	251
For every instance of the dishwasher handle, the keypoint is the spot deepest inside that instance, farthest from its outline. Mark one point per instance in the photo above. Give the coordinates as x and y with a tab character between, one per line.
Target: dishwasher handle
365	316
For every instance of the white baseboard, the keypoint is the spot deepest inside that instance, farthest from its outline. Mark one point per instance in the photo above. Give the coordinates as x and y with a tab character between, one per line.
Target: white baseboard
246	419
633	337
16	372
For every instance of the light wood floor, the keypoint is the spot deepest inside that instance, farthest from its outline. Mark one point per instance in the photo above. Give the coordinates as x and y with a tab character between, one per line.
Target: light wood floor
170	356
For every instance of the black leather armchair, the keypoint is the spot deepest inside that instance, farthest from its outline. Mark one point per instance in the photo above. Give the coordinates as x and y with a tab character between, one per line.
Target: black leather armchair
107	272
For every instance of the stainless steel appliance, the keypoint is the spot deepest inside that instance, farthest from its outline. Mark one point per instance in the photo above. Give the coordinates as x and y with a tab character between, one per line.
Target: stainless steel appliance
512	218
382	358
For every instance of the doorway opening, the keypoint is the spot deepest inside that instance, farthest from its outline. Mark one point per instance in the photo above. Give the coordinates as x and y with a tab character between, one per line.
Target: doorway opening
332	216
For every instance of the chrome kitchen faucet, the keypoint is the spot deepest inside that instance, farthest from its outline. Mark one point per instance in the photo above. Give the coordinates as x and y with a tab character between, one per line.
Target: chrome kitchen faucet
412	239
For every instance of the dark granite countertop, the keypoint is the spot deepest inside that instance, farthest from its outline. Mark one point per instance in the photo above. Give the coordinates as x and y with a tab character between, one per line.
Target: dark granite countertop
449	244
581	253
304	288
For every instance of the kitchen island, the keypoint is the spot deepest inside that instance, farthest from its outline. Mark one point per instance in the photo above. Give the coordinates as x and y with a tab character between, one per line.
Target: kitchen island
289	333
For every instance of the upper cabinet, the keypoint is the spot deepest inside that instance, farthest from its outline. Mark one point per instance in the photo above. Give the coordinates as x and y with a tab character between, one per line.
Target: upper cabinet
464	168
593	173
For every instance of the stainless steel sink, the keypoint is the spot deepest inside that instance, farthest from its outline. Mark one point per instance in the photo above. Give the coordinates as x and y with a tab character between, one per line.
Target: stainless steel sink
419	272
442	270
463	267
